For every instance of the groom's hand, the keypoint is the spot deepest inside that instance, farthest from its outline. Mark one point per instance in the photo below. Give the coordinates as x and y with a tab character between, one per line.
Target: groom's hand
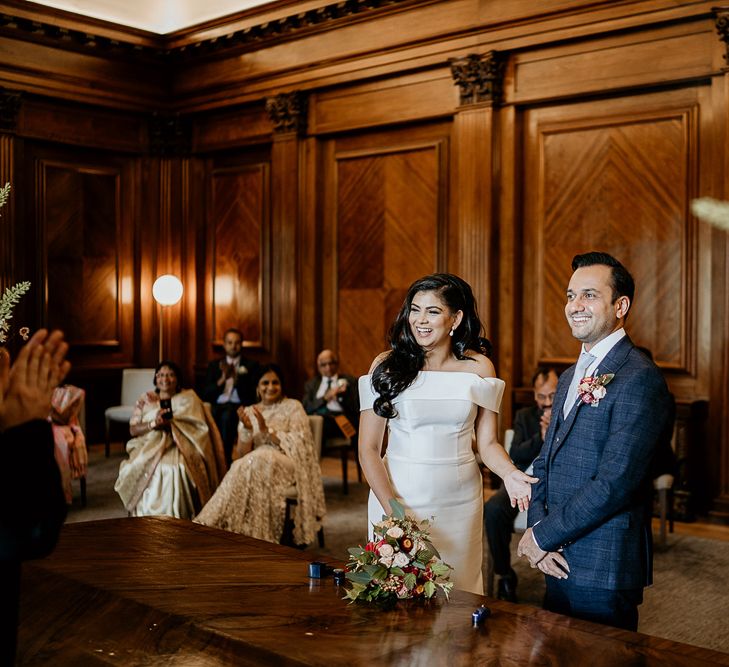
528	547
555	565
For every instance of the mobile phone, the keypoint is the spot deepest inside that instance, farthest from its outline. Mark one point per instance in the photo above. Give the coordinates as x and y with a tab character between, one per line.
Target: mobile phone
166	404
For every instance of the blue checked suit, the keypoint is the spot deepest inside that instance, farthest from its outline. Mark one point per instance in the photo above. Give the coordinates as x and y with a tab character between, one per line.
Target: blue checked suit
594	490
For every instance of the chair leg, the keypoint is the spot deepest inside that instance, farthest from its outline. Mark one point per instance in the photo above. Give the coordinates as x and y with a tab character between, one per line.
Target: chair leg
320	537
82	483
662	503
670	509
345	464
489	570
355	451
107	443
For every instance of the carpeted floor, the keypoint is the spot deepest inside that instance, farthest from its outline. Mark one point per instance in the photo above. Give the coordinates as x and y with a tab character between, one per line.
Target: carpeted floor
689	601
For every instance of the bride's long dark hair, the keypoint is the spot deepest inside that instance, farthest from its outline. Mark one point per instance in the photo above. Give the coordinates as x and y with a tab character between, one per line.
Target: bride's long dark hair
397	370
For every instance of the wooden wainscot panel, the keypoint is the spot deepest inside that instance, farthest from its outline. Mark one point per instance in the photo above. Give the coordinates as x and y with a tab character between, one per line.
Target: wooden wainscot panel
618	181
228	130
406	98
98	128
87	261
390	211
238	233
674	53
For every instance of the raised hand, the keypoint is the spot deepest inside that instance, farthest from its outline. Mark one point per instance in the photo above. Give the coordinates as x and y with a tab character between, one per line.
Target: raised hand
519	487
27	385
260	419
244	418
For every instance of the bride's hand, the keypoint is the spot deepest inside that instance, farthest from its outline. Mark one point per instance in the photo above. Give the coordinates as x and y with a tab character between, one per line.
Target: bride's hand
519	487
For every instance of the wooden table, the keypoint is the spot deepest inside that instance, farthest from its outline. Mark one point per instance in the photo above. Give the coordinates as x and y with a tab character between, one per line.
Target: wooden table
157	590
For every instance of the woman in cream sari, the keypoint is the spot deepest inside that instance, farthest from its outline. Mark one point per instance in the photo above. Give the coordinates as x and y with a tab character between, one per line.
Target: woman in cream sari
175	456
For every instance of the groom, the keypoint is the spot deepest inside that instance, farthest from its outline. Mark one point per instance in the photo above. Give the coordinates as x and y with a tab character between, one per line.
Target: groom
589	516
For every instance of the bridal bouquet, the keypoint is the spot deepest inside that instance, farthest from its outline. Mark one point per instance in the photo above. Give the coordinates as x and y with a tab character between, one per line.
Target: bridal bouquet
399	563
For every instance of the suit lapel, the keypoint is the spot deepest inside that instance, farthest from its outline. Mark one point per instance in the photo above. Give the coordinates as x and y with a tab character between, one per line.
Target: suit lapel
610	364
559	397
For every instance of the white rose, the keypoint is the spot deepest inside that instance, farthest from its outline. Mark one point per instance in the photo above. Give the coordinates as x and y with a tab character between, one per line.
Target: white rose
386	550
387	562
400	559
342	382
599	392
242	370
395	532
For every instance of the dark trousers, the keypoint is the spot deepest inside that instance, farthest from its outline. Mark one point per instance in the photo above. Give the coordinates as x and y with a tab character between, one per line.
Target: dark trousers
498	517
618	609
226	417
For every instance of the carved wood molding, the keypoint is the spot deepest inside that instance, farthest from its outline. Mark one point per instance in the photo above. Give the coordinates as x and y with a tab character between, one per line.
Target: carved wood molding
287	112
9	107
251	37
170	135
721	19
480	77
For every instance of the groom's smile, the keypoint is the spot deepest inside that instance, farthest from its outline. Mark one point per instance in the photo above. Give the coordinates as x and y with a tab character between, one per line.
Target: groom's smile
590	309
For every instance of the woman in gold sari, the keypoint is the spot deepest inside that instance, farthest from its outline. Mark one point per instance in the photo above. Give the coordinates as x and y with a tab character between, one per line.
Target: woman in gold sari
175	455
275	450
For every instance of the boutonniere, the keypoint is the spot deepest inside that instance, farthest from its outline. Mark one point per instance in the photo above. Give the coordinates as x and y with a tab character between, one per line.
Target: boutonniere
592	389
242	370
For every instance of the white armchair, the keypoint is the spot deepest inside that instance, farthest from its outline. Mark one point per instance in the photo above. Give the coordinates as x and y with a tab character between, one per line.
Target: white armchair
135	381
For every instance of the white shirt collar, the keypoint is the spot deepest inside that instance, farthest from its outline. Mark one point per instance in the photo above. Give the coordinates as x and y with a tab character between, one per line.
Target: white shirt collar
232	360
600	350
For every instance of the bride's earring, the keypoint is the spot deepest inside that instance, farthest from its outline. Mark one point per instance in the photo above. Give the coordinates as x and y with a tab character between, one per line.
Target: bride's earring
451	333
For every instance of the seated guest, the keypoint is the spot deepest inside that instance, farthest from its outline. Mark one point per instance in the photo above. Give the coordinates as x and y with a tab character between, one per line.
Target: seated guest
175	456
275	450
330	394
70	443
530	427
229	383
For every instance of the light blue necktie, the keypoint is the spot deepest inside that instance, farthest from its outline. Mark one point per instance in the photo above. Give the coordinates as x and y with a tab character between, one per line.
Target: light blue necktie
582	364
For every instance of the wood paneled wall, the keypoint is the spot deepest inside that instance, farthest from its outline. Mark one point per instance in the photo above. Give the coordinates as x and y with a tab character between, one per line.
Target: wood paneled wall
299	166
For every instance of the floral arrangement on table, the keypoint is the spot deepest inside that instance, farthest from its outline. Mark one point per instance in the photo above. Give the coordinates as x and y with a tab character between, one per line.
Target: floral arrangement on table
592	389
399	563
11	295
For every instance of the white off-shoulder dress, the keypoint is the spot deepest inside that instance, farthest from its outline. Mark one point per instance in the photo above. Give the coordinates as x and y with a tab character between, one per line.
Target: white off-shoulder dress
432	466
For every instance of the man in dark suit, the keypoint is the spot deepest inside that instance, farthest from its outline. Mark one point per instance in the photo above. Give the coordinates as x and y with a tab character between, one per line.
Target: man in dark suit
330	394
590	510
530	427
229	383
31	494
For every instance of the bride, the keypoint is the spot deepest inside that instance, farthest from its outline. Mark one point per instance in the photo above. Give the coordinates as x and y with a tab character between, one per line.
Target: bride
431	391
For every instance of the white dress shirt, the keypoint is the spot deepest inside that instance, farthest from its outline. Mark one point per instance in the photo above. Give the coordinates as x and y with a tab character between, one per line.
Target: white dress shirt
230	393
333	405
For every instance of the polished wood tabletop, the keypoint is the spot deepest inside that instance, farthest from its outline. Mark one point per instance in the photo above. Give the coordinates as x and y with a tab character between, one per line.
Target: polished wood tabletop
165	591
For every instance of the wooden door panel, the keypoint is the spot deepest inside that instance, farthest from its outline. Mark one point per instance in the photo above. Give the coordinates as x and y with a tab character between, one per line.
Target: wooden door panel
619	183
387	229
238	224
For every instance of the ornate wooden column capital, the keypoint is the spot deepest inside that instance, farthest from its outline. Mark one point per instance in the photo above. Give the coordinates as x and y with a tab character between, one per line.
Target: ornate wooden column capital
170	135
287	112
480	77
9	108
721	20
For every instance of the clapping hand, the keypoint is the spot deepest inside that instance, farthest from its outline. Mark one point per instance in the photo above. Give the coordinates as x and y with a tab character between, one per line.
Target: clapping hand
27	385
246	419
519	487
544	421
